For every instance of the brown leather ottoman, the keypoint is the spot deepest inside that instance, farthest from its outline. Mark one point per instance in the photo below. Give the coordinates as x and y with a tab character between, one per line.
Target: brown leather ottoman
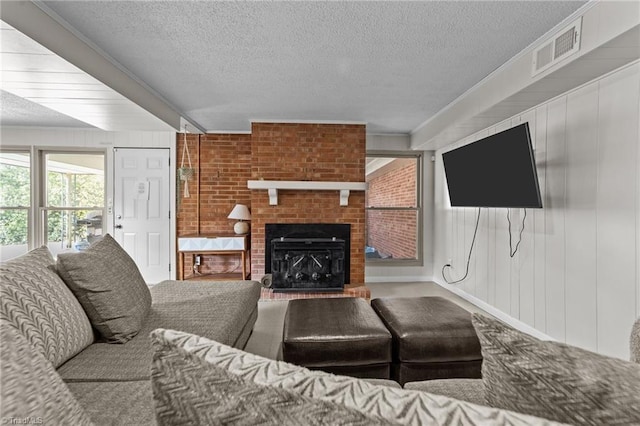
337	335
433	338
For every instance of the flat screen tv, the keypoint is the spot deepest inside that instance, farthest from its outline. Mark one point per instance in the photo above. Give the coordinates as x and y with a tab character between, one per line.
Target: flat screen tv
497	171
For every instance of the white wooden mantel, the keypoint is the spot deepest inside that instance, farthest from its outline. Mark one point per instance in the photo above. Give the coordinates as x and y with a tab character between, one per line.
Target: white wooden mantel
272	186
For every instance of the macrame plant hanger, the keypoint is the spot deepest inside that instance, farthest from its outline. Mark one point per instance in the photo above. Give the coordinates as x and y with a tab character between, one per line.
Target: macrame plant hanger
185	173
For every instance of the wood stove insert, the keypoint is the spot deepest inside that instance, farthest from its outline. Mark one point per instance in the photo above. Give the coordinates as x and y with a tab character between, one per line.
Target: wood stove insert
307	257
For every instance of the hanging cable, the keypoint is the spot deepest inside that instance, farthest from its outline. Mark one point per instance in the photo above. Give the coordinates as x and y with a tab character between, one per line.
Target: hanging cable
511	251
448	265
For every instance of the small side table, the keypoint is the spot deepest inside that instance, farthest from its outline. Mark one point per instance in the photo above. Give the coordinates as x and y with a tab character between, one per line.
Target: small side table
213	244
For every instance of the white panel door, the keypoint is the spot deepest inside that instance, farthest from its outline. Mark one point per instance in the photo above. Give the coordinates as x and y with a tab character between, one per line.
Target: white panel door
141	209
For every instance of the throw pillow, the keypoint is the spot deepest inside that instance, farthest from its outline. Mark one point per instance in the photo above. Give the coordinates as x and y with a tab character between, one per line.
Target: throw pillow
110	288
35	300
189	390
554	380
381	402
30	389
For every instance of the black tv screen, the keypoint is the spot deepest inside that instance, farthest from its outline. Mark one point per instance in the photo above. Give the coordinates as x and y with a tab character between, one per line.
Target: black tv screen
497	171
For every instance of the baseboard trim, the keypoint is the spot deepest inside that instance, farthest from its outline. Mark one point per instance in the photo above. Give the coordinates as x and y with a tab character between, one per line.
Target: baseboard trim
515	323
394	279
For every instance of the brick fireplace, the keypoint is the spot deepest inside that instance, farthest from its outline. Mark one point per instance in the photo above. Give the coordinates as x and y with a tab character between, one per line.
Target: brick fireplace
308	152
283	152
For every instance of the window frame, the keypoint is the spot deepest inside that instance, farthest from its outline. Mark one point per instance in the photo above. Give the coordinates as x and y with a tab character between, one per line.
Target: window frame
43	207
31	215
419	209
36	211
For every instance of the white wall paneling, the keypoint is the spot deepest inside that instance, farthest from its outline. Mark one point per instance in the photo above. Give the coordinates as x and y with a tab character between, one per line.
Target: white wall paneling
514	278
481	256
502	259
554	207
526	254
459	259
580	216
502	262
524	272
616	208
469	226
575	276
540	221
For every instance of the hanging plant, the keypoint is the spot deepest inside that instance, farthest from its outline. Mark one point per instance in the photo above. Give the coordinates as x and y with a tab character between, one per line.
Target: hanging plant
185	174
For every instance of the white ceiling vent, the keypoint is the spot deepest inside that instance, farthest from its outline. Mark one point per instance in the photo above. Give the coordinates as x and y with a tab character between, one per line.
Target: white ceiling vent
563	44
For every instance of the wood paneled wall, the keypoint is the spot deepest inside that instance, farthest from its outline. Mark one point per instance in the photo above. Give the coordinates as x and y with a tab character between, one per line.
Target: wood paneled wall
576	275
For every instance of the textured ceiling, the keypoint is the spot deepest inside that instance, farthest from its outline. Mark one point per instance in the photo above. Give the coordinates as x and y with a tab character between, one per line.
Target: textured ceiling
17	111
390	64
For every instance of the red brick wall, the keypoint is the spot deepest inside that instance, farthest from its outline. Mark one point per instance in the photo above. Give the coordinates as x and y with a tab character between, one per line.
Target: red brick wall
393	232
225	168
318	152
224	163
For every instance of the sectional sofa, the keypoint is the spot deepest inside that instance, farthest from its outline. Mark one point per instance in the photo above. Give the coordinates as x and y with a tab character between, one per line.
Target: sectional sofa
94	325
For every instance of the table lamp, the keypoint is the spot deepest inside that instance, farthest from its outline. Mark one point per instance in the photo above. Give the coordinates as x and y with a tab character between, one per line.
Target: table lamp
242	214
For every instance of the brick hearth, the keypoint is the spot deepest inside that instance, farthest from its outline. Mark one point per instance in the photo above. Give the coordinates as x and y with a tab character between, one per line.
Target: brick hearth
359	291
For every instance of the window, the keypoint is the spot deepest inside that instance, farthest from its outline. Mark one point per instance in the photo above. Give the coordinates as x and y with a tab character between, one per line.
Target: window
15	203
394	208
73	204
61	207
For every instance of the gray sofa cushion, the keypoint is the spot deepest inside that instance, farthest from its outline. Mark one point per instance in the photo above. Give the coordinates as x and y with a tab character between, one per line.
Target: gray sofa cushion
35	300
470	390
189	390
220	310
109	287
551	379
116	403
30	389
394	405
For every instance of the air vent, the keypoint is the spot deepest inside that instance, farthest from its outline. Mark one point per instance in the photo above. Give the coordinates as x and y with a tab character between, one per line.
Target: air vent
544	56
563	44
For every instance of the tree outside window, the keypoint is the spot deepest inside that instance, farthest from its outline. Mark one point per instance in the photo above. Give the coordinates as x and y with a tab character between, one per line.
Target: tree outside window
74	200
15	202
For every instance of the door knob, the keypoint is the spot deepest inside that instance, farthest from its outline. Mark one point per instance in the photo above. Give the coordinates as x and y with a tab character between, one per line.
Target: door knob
118	226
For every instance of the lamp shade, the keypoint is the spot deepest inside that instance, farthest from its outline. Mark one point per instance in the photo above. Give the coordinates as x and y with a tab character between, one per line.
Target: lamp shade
240	212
